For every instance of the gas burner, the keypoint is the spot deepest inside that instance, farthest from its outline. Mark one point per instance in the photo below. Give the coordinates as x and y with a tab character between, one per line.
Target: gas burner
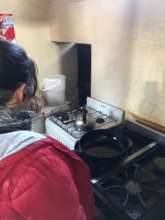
135	187
62	116
100	120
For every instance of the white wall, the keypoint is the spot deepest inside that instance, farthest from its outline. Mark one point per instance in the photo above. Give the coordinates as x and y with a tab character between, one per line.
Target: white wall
128	50
32	27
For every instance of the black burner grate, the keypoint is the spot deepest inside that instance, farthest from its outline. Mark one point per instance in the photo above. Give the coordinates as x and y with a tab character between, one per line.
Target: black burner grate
134	191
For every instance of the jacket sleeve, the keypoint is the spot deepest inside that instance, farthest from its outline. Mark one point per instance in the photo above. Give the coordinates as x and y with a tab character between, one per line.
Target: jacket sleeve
49	198
81	176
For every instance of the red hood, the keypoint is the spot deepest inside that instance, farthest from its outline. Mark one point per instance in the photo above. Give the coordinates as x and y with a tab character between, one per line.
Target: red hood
45	181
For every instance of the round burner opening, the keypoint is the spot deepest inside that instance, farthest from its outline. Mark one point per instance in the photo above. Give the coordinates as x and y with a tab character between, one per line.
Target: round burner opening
62	116
100	120
133	187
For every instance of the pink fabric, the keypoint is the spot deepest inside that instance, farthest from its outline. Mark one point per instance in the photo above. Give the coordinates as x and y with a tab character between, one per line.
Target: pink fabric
45	181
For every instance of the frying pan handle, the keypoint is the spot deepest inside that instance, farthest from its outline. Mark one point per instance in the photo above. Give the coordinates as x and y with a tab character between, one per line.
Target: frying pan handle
149	148
130	143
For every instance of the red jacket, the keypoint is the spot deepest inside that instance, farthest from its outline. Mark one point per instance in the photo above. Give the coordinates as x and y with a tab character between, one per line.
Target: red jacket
45	181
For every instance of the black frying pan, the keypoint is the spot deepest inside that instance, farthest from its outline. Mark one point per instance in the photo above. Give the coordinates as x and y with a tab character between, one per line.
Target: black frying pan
103	145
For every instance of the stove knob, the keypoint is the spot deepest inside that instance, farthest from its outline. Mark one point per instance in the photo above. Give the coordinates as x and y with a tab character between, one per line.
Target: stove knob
100	120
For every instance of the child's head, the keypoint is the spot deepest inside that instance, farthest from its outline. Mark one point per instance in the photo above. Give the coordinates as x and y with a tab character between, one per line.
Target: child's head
18	81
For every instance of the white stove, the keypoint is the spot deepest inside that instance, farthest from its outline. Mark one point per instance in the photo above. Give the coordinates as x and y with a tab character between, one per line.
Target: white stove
62	127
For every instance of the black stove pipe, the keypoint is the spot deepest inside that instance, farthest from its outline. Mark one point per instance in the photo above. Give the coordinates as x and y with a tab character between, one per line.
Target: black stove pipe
84	114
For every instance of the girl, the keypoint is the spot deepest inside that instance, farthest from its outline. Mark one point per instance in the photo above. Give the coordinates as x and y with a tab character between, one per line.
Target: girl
40	178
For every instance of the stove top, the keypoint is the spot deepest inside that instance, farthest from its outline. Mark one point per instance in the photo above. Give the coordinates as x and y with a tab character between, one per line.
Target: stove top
66	120
136	191
133	193
69	126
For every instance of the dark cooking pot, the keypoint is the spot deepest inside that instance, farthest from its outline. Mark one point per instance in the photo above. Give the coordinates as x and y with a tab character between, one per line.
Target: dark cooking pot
103	146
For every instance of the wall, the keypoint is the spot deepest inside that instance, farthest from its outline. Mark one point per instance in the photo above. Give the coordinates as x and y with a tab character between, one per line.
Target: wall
69	67
32	32
128	50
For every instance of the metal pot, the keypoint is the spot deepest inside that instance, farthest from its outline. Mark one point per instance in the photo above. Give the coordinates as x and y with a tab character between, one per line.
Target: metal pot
81	123
81	126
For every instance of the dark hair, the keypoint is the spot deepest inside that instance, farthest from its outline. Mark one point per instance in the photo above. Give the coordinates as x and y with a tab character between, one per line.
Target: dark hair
16	68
